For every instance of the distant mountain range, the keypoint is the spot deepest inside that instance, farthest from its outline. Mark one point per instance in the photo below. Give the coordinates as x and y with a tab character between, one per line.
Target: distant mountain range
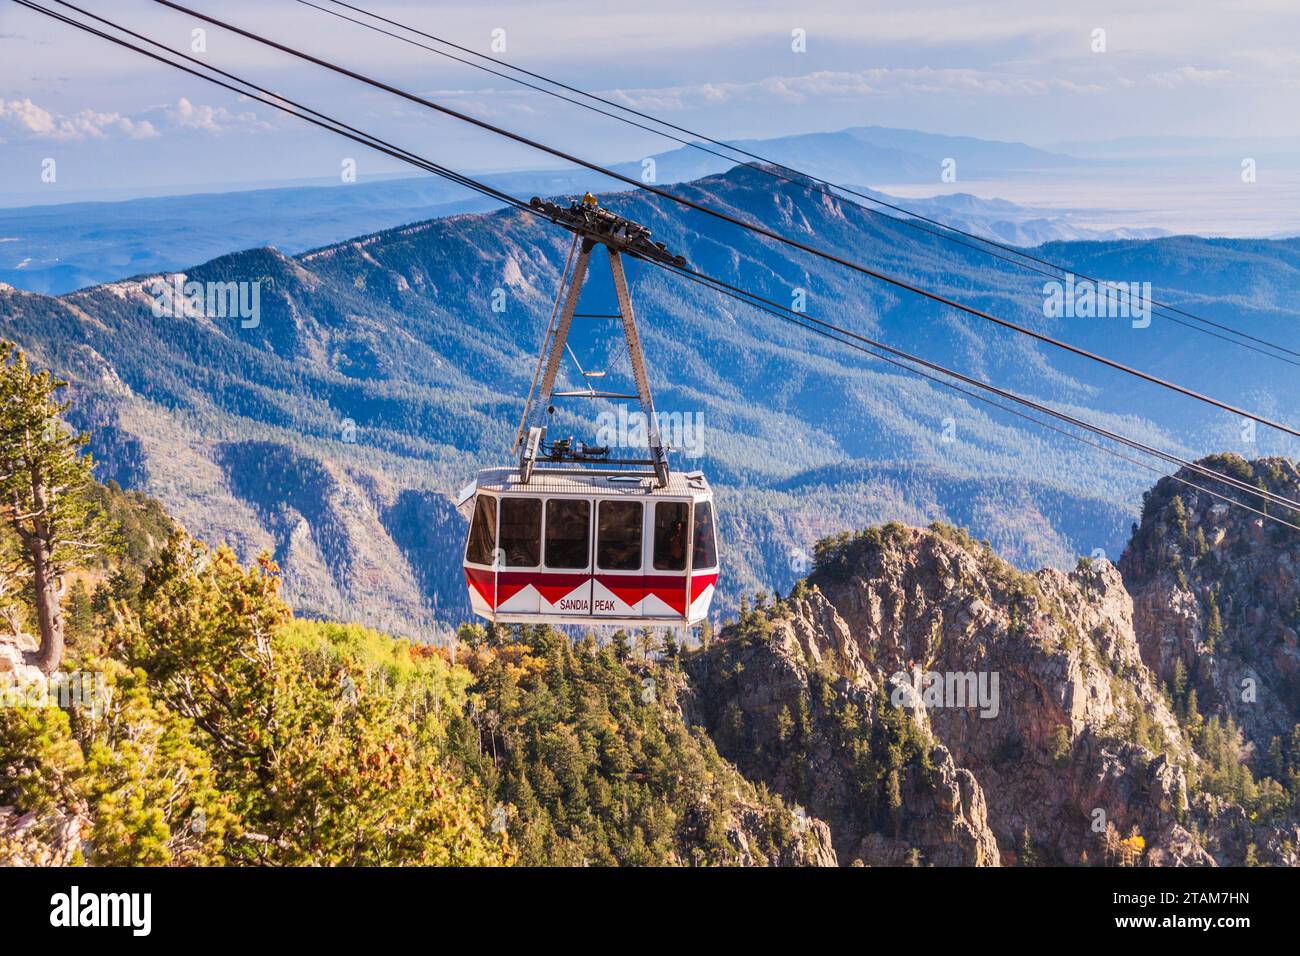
378	377
870	154
55	248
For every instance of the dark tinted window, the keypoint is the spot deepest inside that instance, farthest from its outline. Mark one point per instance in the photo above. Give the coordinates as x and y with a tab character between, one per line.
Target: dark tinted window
705	553
568	533
521	531
483	532
670	535
618	539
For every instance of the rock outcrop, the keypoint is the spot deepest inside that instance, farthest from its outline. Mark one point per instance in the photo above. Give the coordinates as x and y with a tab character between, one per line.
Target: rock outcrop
810	846
1216	595
49	839
793	705
1216	598
935	705
17	649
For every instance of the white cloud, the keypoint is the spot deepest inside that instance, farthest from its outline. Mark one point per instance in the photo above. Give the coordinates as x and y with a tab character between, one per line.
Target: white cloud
923	81
210	119
28	119
1188	76
853	84
1020	80
39	123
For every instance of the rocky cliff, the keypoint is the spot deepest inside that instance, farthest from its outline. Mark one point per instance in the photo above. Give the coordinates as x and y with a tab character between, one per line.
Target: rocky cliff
935	705
1216	600
826	737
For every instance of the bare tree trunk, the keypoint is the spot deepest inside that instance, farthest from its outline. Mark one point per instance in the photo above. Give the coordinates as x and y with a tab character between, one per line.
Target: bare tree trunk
49	609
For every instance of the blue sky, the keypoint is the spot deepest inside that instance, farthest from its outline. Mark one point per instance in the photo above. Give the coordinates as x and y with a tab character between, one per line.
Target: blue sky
1023	71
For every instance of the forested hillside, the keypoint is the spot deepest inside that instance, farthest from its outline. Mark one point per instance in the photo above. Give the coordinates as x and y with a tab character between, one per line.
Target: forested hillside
190	718
235	734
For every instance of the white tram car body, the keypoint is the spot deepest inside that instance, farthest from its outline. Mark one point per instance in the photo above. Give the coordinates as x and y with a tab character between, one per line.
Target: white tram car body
579	546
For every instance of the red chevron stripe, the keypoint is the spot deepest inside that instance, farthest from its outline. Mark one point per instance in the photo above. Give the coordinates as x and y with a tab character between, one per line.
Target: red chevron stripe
480	581
699	582
555	586
671	589
628	588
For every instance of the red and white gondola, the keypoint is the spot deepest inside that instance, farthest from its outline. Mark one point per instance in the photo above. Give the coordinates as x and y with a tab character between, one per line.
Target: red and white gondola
572	536
604	547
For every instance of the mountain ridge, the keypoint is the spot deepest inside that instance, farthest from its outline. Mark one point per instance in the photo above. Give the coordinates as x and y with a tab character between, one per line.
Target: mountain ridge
56	248
395	334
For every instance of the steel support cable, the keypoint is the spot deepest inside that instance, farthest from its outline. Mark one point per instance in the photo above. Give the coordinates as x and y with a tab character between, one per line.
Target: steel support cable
768	305
781	171
1036	421
716	284
1029	418
726	217
787	314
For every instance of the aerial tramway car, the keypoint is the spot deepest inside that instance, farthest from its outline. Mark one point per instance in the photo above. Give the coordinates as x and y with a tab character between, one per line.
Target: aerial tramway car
572	535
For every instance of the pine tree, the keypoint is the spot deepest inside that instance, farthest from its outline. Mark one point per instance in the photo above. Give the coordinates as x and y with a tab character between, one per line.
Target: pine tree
1062	744
1178	514
1140	730
1276	761
13	582
81	612
1193	712
45	492
1026	855
1214	624
784	725
1180	680
894	800
644	642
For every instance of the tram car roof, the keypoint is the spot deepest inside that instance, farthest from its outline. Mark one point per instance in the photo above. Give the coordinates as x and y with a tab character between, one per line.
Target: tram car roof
582	482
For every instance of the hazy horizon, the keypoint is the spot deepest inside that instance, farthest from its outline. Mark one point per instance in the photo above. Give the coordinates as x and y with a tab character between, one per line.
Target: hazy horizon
1009	71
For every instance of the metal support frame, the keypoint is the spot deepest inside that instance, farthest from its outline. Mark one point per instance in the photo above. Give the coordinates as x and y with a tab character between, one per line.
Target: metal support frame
536	416
637	357
561	336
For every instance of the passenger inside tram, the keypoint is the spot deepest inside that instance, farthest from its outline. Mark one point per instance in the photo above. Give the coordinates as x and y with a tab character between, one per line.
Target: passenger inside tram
521	531
705	553
670	536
